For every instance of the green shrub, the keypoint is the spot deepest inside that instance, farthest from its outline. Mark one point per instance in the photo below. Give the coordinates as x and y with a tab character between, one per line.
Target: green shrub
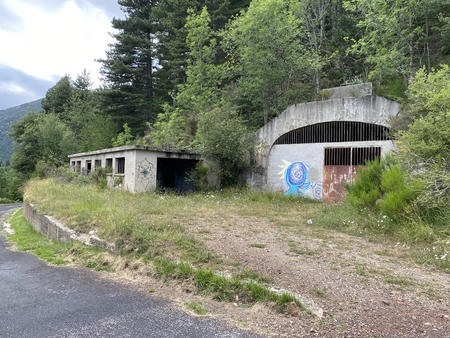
99	176
199	176
398	193
365	190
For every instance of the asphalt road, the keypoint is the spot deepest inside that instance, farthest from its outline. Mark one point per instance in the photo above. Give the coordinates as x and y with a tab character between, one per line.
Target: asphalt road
37	300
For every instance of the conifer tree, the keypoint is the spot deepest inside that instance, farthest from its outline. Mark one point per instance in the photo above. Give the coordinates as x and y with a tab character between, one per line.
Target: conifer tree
129	67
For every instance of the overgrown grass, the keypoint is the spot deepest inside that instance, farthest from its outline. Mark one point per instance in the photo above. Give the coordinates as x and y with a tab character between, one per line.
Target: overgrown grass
158	229
426	245
26	239
54	252
197	308
153	227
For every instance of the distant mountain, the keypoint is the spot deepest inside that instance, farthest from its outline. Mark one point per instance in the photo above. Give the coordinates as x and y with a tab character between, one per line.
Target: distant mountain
6	117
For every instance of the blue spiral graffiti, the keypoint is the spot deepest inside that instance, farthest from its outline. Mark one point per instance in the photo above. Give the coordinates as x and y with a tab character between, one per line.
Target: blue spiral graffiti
296	178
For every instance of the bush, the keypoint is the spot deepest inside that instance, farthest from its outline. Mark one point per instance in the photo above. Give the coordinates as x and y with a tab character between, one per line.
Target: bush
365	190
99	176
398	194
199	176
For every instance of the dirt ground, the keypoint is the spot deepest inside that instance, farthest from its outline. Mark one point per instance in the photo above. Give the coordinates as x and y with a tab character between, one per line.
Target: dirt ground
351	287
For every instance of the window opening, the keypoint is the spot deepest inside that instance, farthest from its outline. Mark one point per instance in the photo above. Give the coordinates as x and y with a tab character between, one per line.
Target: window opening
360	156
120	165
88	166
97	164
337	156
351	156
337	131
109	163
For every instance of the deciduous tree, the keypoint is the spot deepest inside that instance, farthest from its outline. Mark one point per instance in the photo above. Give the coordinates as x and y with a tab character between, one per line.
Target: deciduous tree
265	50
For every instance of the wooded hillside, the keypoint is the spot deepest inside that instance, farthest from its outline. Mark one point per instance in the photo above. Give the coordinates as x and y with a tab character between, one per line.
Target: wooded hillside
199	74
8	116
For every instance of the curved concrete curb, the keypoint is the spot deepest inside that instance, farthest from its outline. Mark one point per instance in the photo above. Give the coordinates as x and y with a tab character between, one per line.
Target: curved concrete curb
52	228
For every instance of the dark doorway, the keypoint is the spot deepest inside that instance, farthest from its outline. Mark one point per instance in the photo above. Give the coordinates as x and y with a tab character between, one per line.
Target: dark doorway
88	166
173	173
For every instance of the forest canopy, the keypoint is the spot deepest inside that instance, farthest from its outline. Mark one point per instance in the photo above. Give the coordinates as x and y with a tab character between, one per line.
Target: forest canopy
198	74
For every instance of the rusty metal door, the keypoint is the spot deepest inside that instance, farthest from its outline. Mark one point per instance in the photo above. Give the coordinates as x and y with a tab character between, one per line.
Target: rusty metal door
340	166
334	179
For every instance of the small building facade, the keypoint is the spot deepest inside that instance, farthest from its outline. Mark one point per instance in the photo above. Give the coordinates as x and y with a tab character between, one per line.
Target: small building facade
140	169
312	149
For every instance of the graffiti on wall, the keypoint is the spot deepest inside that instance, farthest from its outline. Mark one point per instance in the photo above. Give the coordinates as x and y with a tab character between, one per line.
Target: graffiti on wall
295	176
146	173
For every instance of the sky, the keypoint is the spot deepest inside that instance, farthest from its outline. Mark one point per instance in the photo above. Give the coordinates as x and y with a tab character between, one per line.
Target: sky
43	40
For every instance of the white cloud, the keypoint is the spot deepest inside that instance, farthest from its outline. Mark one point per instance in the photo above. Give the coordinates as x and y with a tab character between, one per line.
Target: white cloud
11	87
53	43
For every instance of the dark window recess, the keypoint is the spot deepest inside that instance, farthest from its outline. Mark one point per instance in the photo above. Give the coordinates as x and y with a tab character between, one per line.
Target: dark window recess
88	166
338	131
78	168
72	165
337	156
120	165
109	163
351	156
98	163
362	155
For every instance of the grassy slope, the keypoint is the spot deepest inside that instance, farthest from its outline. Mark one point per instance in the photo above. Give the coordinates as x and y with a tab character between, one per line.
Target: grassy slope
156	226
8	116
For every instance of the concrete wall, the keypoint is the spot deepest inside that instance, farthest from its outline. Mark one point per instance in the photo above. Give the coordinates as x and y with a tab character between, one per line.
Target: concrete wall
347	103
368	109
357	90
47	225
52	228
312	157
140	165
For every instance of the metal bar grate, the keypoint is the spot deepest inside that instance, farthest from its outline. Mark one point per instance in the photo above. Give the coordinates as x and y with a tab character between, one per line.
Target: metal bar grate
338	131
351	156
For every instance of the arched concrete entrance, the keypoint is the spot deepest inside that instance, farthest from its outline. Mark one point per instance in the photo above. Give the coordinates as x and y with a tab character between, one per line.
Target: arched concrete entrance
313	149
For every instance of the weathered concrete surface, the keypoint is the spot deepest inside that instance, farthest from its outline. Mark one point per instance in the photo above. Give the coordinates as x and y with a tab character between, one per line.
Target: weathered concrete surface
368	109
348	103
357	90
47	225
54	229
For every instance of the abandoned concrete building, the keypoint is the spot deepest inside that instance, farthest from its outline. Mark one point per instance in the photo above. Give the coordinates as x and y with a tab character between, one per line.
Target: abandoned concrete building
140	169
313	149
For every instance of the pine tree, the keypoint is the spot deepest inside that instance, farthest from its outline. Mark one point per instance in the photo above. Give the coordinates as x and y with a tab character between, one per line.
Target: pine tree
128	69
57	98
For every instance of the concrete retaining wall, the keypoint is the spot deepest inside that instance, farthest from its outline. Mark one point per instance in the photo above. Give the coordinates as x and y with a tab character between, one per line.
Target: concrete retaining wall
47	225
53	229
